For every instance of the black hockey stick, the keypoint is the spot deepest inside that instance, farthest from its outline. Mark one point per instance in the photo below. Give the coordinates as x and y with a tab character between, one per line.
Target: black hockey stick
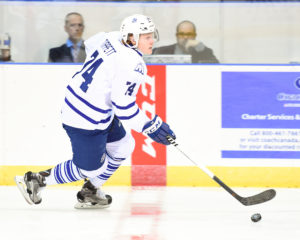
247	201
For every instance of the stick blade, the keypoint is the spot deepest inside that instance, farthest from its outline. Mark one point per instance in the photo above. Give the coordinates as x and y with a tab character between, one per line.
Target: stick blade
259	198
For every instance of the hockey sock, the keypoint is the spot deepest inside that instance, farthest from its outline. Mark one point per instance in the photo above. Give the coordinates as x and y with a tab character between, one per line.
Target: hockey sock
112	166
65	172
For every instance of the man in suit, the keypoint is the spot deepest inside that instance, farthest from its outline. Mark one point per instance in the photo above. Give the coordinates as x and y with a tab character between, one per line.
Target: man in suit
187	44
73	50
5	55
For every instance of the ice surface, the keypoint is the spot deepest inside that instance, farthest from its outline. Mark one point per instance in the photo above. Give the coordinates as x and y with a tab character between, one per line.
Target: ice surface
150	213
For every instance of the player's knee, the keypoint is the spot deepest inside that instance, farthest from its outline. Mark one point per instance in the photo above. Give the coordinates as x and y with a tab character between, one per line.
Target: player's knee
126	146
128	150
123	148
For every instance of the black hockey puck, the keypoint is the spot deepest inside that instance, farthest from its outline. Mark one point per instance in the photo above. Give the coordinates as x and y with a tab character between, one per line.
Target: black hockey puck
256	217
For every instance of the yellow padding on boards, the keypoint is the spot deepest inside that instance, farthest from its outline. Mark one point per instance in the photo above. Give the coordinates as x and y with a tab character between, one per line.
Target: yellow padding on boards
235	176
188	176
7	174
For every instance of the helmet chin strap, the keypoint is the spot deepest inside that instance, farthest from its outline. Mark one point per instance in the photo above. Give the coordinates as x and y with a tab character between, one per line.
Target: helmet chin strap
130	45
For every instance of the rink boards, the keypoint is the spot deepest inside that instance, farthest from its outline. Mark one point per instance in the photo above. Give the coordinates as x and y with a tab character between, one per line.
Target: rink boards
239	120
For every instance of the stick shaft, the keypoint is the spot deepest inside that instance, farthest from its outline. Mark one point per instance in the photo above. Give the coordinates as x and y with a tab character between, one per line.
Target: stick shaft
247	201
201	166
207	171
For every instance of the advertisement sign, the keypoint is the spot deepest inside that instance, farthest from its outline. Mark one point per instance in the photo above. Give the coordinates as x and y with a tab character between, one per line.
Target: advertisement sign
262	112
149	157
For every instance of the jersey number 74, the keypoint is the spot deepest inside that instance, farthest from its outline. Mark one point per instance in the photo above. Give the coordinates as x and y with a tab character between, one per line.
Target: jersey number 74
90	68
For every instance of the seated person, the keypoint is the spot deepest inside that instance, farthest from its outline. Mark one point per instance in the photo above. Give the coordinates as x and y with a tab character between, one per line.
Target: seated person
73	50
187	44
5	55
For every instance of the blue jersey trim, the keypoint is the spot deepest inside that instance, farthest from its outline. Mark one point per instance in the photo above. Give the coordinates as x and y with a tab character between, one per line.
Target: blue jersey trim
138	52
111	168
128	117
85	116
70	171
86	102
125	107
57	173
102	178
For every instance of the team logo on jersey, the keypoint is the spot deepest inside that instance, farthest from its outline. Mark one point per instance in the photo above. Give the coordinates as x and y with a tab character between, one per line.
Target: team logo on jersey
140	68
108	48
134	20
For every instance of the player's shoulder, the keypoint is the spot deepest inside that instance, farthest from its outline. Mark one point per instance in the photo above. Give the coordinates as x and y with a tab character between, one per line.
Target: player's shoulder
131	60
127	54
94	40
130	54
116	39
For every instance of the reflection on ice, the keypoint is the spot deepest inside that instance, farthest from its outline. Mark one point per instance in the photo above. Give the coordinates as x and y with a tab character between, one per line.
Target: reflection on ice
150	213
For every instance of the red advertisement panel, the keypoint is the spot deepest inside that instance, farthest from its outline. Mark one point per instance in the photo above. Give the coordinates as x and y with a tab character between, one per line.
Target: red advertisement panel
149	158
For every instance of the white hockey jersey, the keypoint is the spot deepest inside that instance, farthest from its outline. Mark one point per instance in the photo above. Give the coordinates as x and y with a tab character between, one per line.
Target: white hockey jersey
106	86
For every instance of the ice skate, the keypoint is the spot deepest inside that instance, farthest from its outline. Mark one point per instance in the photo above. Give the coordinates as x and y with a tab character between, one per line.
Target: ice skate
30	185
92	198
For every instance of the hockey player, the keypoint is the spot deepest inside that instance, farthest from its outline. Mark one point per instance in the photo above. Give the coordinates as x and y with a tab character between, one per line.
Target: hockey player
99	100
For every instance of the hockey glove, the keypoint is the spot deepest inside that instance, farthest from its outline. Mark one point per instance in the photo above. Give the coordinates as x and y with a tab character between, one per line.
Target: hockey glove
158	130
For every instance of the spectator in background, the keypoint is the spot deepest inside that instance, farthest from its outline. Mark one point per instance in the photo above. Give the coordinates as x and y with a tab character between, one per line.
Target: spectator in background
187	44
5	55
73	50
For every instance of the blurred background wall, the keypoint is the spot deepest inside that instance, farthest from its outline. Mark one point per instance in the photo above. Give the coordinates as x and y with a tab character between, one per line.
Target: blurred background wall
238	32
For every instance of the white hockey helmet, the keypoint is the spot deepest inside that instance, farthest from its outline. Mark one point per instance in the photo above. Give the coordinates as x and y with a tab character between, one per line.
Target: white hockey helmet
135	25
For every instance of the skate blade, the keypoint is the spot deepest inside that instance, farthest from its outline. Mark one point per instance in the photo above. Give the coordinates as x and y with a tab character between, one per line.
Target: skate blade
23	189
90	206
